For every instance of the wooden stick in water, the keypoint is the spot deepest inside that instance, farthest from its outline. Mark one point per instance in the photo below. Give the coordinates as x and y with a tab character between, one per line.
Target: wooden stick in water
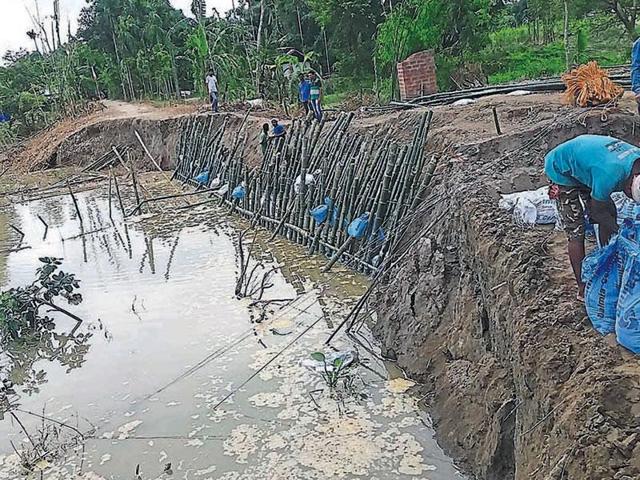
337	255
115	182
134	182
75	203
110	185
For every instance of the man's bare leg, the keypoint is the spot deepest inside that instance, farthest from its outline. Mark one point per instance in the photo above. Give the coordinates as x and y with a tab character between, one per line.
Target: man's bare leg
576	256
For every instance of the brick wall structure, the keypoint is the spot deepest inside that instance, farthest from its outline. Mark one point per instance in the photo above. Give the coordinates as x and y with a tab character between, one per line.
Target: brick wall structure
417	75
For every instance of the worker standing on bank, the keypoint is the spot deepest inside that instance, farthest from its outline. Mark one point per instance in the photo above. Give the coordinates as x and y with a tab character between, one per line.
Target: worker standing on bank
304	94
212	86
315	95
584	173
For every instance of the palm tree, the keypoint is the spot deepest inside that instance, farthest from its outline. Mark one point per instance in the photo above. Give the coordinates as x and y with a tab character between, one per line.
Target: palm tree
34	36
199	9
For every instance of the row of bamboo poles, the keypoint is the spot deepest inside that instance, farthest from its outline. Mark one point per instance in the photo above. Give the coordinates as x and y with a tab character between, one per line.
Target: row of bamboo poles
366	177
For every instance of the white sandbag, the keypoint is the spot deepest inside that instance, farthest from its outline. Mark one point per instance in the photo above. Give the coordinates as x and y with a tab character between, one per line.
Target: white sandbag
463	102
509	200
533	207
309	180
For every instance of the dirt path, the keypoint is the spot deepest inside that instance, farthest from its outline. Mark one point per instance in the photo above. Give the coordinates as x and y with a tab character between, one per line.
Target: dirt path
117	110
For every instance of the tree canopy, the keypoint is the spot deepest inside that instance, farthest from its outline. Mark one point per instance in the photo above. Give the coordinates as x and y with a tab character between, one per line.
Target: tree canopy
134	49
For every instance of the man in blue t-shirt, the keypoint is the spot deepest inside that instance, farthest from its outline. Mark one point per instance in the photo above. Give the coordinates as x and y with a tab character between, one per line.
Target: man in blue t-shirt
304	93
584	173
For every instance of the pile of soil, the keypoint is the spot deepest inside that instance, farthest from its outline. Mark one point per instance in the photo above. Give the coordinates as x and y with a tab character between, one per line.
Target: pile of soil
484	314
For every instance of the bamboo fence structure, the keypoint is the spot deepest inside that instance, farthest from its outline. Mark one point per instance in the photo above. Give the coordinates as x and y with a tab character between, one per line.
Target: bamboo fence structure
365	177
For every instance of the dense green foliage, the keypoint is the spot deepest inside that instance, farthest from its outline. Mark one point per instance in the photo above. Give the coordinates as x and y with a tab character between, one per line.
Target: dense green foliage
135	49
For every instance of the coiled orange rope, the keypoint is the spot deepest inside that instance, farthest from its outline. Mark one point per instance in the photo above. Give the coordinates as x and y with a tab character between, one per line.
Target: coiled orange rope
589	85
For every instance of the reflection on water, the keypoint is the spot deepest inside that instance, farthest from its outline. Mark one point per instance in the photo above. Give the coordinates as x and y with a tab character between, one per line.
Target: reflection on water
66	349
170	375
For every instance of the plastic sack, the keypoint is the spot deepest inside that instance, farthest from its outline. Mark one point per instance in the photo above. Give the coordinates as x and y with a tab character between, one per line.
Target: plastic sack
203	178
223	189
602	273
359	226
321	212
380	236
239	192
628	317
509	200
532	207
525	212
631	231
309	180
463	102
547	212
627	208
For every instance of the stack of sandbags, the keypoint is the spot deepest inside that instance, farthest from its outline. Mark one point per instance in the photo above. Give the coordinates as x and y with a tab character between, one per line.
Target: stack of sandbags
589	85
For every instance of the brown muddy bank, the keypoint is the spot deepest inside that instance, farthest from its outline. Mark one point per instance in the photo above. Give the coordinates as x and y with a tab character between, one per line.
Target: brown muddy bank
78	142
483	313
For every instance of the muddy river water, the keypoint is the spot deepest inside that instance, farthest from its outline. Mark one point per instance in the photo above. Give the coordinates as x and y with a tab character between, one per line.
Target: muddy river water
170	375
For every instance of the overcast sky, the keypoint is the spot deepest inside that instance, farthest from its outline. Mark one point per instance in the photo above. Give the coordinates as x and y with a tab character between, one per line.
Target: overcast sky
15	20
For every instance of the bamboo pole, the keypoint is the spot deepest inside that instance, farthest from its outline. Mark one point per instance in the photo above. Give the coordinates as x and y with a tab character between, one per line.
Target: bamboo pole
134	182
75	204
110	186
153	160
115	183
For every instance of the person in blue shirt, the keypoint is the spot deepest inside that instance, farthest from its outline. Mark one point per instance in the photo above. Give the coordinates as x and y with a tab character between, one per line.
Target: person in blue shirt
304	93
635	71
277	130
584	172
278	133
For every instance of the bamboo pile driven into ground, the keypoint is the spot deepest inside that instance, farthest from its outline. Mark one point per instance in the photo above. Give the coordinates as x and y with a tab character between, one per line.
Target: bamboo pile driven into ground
369	183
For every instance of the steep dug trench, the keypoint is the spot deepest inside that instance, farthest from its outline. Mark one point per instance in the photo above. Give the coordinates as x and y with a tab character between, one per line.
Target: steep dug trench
483	313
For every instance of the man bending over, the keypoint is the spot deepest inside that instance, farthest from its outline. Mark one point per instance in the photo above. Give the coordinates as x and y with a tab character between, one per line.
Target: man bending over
584	173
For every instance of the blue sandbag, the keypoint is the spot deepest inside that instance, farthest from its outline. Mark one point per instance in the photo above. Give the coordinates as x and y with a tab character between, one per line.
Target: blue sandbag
602	273
203	178
321	212
589	229
628	210
628	316
239	192
631	230
359	226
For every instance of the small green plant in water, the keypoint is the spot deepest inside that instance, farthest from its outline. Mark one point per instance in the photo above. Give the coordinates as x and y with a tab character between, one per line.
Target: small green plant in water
334	371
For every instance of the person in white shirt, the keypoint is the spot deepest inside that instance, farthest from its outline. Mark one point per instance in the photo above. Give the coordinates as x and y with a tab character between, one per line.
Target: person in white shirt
212	87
